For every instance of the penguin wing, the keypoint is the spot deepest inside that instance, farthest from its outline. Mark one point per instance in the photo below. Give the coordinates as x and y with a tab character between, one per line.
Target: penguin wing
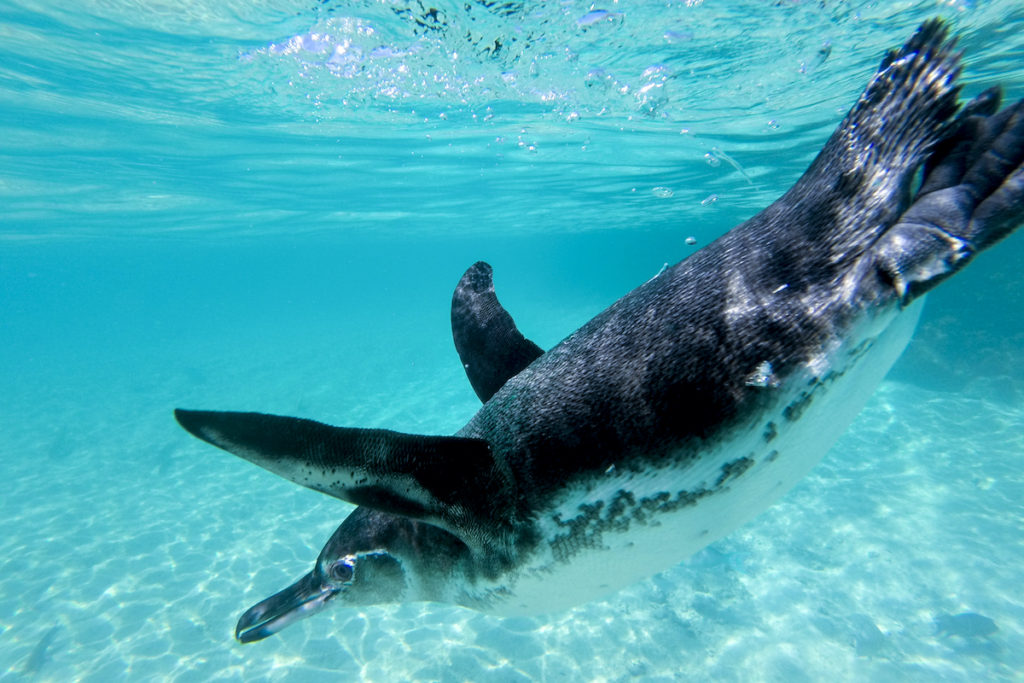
452	482
491	347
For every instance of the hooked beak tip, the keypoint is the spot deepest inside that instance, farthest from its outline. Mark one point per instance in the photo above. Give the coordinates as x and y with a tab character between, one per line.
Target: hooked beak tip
296	602
251	635
252	626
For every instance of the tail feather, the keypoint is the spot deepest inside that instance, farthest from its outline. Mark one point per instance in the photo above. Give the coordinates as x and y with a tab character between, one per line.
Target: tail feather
906	108
860	182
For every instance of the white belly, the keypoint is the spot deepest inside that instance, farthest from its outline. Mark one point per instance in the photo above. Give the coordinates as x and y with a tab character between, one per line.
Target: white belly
613	559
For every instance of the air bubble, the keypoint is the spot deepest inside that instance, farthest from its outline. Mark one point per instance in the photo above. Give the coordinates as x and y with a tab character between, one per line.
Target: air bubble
596	16
663	192
678	36
592	17
710	199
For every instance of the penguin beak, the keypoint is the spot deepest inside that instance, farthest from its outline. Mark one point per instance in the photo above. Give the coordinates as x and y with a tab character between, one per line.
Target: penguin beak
304	597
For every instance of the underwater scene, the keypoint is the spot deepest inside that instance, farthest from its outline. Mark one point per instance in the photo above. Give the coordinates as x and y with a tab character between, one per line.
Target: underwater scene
267	205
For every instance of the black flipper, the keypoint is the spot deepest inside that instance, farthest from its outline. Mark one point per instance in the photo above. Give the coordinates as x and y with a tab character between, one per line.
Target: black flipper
452	482
492	349
971	197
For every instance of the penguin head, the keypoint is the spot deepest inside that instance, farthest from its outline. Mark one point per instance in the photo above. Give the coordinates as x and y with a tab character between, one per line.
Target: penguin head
373	557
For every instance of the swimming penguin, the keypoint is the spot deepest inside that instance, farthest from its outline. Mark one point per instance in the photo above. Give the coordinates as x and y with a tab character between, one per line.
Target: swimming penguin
685	408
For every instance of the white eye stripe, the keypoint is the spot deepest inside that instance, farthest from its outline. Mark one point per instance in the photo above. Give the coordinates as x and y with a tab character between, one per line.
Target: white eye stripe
349	563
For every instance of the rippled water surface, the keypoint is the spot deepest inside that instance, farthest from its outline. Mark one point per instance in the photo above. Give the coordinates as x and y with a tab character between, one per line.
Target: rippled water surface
266	206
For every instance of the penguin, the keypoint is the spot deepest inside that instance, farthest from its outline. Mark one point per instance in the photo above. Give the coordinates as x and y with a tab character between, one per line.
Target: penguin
686	407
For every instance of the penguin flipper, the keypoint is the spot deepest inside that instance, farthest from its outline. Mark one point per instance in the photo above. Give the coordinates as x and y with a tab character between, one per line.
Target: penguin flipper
971	196
452	482
491	347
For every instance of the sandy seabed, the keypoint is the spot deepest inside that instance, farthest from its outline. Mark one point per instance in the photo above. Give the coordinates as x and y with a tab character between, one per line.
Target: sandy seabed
131	549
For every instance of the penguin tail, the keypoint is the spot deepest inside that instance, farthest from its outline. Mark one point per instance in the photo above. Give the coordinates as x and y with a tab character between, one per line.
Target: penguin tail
857	205
971	196
861	181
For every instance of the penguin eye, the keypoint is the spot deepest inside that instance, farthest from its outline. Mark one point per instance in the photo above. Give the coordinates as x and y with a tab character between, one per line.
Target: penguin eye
341	571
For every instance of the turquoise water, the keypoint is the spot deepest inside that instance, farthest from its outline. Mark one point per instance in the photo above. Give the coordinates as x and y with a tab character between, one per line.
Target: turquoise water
266	206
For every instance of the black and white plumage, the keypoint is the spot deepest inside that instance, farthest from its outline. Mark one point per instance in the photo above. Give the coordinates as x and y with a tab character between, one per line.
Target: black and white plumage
685	408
